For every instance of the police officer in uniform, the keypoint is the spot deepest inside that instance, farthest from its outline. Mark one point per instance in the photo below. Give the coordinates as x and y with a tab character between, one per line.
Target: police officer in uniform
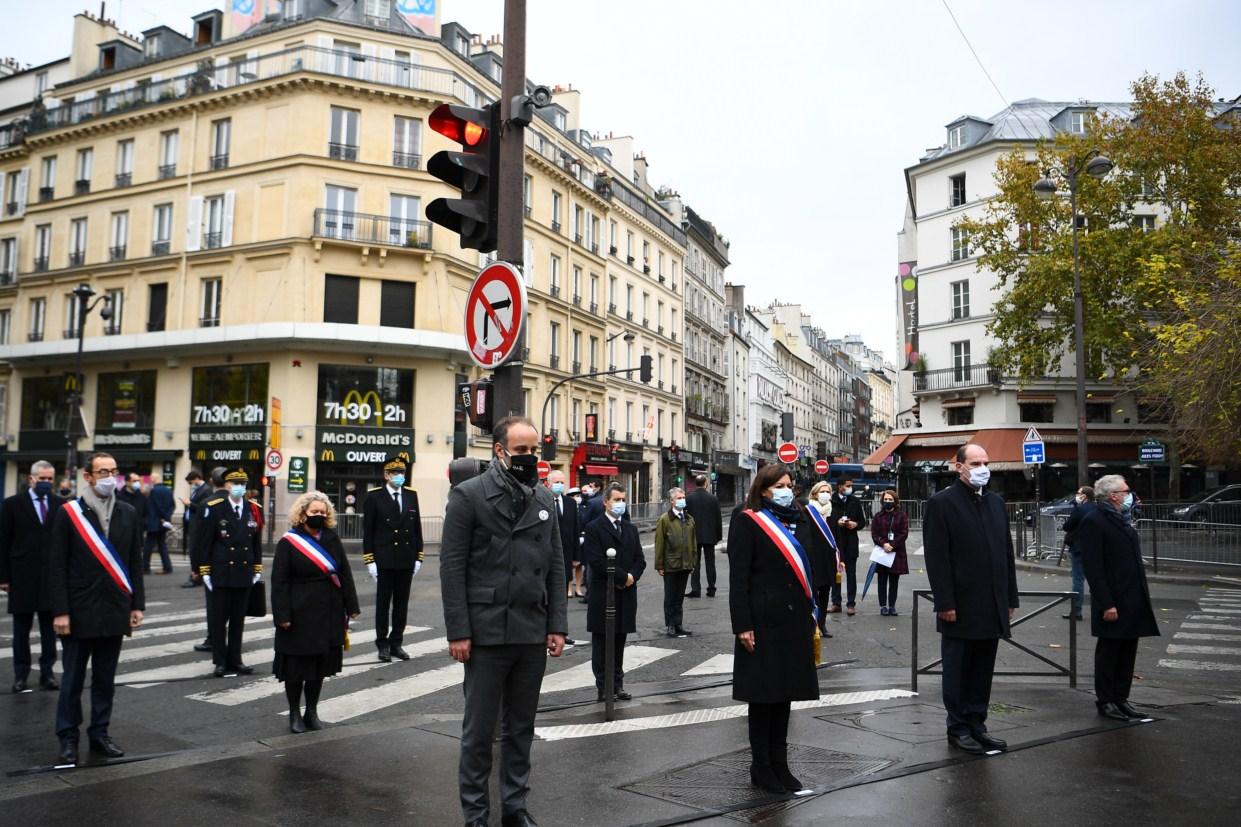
392	552
228	555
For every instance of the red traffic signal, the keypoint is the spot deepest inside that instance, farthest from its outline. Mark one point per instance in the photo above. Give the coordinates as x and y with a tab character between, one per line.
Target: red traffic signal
463	124
475	172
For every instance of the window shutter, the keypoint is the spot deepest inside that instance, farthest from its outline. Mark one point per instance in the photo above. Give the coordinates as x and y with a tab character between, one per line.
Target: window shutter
227	230
23	188
193	225
527	263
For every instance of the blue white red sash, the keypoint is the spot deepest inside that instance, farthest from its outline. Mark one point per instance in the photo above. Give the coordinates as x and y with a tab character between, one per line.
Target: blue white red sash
793	553
315	554
99	547
822	526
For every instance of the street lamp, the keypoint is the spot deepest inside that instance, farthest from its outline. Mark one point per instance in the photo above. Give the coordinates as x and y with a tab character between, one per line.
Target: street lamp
1096	166
629	337
83	293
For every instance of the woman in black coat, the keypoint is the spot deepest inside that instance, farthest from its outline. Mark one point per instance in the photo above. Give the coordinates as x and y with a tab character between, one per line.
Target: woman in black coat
312	592
774	621
1120	601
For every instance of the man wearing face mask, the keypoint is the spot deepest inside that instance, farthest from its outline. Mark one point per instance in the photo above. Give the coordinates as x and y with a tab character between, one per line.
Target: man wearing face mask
1085	505
676	550
25	533
848	519
95	578
566	513
1120	600
158	522
704	507
502	581
969	561
392	550
228	555
131	494
612	531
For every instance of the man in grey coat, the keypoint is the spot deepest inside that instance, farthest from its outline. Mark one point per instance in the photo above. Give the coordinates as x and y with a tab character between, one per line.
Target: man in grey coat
502	577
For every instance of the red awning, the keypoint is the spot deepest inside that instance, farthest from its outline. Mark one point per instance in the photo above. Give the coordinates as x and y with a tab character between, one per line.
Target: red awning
1001	444
885	450
602	470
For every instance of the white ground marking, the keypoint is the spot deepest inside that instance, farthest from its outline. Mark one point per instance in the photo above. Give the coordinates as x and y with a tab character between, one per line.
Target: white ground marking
1181	649
352	705
1200	665
580	676
715	665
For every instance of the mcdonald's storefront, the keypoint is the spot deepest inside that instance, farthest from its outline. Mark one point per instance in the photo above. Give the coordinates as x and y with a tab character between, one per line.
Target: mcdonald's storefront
228	417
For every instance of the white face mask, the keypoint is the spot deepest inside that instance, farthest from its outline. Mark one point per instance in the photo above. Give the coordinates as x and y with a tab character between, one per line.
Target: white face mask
104	486
980	476
824	498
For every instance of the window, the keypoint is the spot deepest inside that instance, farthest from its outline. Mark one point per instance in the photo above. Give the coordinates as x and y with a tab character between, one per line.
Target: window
629	301
404	67
342	204
381	10
42	246
116	303
576	351
556	198
157	306
77	242
960	244
221	131
578	220
1077	122
124	163
960	299
527	185
47	179
343	140
210	307
956	190
1037	411
213	230
956	137
628	421
340	299
6	320
40	84
577	284
150	46
555	275
73	315
961	361
168	154
1145	223
8	260
291	9
960	416
396	304
403	212
38	316
86	161
553	347
118	236
646	309
1027	237
1099	412
594	292
161	230
1083	224
406	142
629	246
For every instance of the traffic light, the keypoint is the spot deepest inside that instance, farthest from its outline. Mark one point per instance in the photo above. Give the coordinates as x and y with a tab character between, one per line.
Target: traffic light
549	448
475	171
786	426
644	369
673	450
477	399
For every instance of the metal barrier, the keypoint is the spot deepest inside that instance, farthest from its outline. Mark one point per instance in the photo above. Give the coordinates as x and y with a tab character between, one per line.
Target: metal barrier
1163	539
1057	598
349	527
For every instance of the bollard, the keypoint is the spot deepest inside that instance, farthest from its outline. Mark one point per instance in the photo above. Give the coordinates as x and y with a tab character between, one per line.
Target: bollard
609	646
1022	551
1155	540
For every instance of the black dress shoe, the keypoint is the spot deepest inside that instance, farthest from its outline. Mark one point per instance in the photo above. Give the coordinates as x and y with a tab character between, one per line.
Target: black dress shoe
670	631
220	672
205	646
1110	710
1124	707
683	632
693	594
791	782
48	682
990	743
312	720
398	652
190	584
711	592
106	747
622	695
1070	617
763	777
20	687
68	751
297	724
241	669
599	696
385	654
966	743
518	819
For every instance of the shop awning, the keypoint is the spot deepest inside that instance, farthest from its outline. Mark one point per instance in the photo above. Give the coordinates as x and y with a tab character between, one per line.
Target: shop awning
602	470
885	450
1001	444
957	403
1022	396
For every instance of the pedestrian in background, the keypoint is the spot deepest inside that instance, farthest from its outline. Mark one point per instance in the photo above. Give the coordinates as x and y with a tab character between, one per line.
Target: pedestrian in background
1085	504
825	560
200	492
849	520
312	600
570	532
969	561
771	603
1120	600
160	504
575	586
612	531
704	507
676	552
131	493
889	529
216	487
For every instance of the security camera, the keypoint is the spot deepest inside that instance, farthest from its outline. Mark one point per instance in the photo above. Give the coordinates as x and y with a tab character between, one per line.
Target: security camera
541	96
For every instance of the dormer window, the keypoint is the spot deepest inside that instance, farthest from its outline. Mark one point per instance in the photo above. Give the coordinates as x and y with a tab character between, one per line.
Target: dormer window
204	32
462	44
380	9
956	137
558	120
1077	122
107	58
150	46
291	9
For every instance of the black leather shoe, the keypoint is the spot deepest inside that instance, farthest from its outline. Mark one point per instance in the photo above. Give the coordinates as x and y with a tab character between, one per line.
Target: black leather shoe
791	782
1070	617
1110	710
48	682
990	743
397	651
1135	714
622	695
68	751
241	669
220	672
683	632
297	724
20	687
106	747
312	720
599	696
205	646
385	654
693	594
190	584
966	743
764	778
670	631
711	592
518	819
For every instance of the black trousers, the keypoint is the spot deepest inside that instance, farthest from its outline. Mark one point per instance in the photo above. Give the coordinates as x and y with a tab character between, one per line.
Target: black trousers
208	603
888	583
392	592
850	581
706	558
102	653
968	667
769	733
228	606
1113	668
23	623
674	597
598	660
156	540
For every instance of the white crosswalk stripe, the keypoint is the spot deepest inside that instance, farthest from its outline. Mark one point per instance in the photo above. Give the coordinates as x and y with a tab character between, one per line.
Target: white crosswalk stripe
1217	611
581	676
353	704
716	665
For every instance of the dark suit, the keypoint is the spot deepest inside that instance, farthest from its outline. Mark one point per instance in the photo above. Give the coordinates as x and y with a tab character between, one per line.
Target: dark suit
1071	526
704	507
570	533
847	542
98	612
229	549
502	578
160	505
969	561
392	540
601	535
24	539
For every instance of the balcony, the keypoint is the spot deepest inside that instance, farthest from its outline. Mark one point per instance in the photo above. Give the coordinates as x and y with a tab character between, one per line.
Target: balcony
167	171
11	208
577	238
372	229
594	307
612	250
160	248
553	361
646	322
528	211
77	258
660	330
577	368
218	161
342	152
406	160
629	315
71	332
124	179
611	307
81	187
116	253
209	321
555	226
646	269
7	277
594	248
611	434
629	259
213	241
40	264
554	291
111	329
34	336
970	376
577	299
47	193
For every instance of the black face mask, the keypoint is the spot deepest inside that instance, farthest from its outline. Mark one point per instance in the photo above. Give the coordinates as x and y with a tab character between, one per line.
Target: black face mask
316	521
524	468
42	488
888	506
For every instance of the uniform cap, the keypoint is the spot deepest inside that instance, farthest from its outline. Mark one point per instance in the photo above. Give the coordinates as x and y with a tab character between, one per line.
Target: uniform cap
238	475
394	465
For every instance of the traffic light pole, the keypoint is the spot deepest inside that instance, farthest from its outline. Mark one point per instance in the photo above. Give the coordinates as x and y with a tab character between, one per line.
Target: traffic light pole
555	387
509	396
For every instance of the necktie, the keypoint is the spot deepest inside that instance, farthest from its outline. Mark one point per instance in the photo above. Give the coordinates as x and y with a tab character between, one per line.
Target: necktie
239	511
560	506
396	498
43	510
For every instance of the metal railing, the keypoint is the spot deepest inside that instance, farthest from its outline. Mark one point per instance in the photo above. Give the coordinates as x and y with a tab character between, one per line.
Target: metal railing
349	527
971	376
1163	537
342	152
373	229
406	160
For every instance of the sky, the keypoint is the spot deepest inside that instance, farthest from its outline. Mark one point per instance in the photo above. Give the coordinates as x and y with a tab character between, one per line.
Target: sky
789	123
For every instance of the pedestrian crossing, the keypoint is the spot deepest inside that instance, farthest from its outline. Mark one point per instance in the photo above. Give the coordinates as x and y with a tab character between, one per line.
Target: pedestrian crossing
1210	638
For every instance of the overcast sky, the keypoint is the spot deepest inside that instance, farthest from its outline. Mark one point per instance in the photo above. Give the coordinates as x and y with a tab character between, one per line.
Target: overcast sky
789	123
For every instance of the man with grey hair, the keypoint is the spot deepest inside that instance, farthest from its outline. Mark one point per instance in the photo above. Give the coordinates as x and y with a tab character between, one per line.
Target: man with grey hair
25	523
676	552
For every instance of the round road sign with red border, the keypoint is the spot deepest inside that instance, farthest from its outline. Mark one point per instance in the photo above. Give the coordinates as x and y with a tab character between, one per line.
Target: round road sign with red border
821	467
274	459
787	453
544	469
495	313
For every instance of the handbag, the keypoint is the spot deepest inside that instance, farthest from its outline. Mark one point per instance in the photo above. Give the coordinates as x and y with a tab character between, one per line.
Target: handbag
256	604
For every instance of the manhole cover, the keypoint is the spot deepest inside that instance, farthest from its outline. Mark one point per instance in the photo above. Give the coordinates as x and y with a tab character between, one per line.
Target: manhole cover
724	781
912	724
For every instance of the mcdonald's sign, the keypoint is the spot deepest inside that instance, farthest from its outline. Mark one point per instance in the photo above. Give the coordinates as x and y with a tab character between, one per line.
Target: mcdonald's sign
364	446
327	455
363	396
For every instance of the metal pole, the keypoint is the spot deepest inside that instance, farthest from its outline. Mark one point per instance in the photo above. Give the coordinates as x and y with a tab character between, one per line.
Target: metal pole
1038	515
509	395
1072	643
609	646
913	658
1079	341
75	399
1155	539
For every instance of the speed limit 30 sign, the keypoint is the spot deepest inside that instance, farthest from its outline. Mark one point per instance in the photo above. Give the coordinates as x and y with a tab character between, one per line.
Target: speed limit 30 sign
274	460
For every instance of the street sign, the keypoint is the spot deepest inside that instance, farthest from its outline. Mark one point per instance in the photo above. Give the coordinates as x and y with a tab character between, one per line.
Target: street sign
821	467
1032	453
274	459
495	313
544	469
297	474
787	453
1152	450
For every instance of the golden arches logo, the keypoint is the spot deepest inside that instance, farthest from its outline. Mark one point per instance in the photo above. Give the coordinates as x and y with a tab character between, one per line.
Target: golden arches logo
359	398
254	454
327	455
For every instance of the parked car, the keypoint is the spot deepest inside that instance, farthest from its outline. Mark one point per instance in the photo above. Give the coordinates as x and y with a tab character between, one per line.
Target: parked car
1060	509
1217	505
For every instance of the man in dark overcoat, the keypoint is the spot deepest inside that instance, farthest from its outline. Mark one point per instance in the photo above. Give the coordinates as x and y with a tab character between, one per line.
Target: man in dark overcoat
848	518
392	550
612	531
704	507
1120	601
97	599
25	531
1085	505
969	561
570	530
502	582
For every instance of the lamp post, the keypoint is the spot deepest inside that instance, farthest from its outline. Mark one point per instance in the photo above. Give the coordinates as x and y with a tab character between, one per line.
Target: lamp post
83	293
629	337
1096	166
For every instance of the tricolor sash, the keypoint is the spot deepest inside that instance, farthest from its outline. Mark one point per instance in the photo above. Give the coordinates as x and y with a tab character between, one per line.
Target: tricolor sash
99	547
793	553
315	554
821	524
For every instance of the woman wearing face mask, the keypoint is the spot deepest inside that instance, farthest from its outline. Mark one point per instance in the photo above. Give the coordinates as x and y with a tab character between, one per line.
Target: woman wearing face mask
824	555
771	601
312	598
889	529
676	555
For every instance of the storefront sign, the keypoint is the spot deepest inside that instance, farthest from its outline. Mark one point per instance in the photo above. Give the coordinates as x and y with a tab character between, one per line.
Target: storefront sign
365	396
125	411
298	467
592	427
363	446
228	414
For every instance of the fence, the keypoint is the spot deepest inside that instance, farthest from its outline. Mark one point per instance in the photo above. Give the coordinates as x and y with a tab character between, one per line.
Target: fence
1164	538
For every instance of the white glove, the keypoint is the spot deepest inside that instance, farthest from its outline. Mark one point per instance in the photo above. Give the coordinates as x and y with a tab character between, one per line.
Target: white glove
167	525
417	566
257	577
207	581
372	570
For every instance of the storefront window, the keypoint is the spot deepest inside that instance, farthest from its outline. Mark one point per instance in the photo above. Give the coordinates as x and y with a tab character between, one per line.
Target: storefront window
125	410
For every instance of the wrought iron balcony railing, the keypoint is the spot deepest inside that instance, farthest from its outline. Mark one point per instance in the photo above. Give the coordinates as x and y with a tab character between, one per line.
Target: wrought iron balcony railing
966	376
372	229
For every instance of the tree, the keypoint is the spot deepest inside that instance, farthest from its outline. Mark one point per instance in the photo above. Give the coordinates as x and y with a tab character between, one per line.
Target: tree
1162	304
